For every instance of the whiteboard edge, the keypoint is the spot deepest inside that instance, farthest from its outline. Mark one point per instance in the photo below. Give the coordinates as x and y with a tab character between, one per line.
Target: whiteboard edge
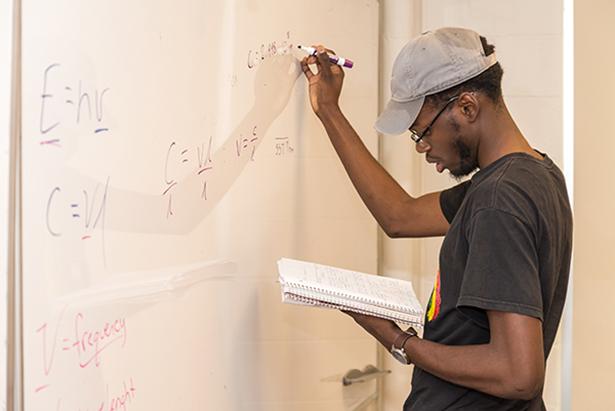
14	309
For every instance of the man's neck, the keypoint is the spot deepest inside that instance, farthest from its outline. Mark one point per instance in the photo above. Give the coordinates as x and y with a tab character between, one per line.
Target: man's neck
501	137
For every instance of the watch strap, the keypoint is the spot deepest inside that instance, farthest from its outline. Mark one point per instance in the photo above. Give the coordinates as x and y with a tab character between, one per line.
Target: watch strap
410	332
403	342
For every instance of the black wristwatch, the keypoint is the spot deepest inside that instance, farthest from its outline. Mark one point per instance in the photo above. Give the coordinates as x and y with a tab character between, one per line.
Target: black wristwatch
398	351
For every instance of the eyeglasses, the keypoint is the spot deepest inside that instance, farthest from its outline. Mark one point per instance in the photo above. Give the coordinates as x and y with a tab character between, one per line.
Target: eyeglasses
418	137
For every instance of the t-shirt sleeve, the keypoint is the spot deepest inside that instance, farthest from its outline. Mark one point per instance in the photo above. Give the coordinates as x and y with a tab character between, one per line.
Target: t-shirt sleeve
502	271
451	199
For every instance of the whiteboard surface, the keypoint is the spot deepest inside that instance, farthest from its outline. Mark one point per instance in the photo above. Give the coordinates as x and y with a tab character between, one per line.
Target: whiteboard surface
170	158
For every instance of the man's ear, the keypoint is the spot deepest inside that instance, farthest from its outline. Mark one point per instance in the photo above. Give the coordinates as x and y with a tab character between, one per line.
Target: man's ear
469	105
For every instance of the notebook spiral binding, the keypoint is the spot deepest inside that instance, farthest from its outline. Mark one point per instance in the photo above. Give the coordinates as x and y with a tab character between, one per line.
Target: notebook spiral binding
322	292
413	320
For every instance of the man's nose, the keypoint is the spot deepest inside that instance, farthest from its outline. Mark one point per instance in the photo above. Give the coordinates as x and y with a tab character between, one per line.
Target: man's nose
422	147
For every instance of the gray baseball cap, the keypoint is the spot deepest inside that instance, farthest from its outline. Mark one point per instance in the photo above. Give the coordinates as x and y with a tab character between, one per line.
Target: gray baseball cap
429	64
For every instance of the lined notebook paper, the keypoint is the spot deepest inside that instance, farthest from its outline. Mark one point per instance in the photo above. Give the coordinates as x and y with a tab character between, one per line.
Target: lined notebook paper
320	285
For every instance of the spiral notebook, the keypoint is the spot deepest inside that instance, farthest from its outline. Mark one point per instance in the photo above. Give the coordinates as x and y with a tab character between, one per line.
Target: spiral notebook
318	285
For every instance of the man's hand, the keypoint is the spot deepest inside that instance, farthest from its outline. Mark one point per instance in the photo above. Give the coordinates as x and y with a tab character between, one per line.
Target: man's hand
326	83
385	331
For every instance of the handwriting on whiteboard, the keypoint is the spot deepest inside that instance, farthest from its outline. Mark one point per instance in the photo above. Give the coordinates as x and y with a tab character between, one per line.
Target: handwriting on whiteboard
196	159
264	51
85	209
91	342
116	401
71	103
282	146
88	338
245	144
191	171
120	402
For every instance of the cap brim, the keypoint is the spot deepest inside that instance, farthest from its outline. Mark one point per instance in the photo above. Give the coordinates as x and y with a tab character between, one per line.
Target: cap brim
397	117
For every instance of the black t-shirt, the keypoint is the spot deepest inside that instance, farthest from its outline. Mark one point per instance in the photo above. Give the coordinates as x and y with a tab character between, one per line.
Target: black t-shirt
507	249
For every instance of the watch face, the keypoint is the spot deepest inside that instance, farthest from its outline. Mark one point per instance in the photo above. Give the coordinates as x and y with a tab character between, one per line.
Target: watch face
400	355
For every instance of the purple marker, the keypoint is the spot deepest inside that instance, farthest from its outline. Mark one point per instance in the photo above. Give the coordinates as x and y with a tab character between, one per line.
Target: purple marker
340	61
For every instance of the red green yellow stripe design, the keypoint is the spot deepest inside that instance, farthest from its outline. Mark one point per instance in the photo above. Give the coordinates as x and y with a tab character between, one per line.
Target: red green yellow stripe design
433	308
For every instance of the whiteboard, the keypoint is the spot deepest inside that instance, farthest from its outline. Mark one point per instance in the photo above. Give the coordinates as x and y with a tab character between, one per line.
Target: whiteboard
170	157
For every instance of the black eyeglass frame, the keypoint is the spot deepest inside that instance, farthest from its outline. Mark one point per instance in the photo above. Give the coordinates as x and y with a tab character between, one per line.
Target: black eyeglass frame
416	137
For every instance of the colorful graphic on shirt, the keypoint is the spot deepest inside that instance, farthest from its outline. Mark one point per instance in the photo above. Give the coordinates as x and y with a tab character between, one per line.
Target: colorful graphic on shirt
433	308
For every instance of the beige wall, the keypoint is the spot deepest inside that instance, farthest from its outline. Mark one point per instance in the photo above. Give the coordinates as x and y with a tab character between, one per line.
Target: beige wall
400	20
594	202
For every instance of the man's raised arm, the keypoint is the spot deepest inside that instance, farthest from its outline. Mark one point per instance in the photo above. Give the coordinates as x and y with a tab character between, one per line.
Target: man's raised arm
399	214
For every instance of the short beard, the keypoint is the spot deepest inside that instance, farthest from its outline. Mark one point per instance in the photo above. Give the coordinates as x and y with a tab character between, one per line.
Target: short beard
467	163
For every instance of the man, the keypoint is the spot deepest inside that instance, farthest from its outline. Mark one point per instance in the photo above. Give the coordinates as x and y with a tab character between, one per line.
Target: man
505	259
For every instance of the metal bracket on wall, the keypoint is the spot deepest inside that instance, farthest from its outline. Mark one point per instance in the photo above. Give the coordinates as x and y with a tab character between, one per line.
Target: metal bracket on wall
369	372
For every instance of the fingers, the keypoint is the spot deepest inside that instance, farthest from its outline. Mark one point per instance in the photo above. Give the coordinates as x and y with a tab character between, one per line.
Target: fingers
305	66
312	60
322	49
323	59
306	69
328	67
